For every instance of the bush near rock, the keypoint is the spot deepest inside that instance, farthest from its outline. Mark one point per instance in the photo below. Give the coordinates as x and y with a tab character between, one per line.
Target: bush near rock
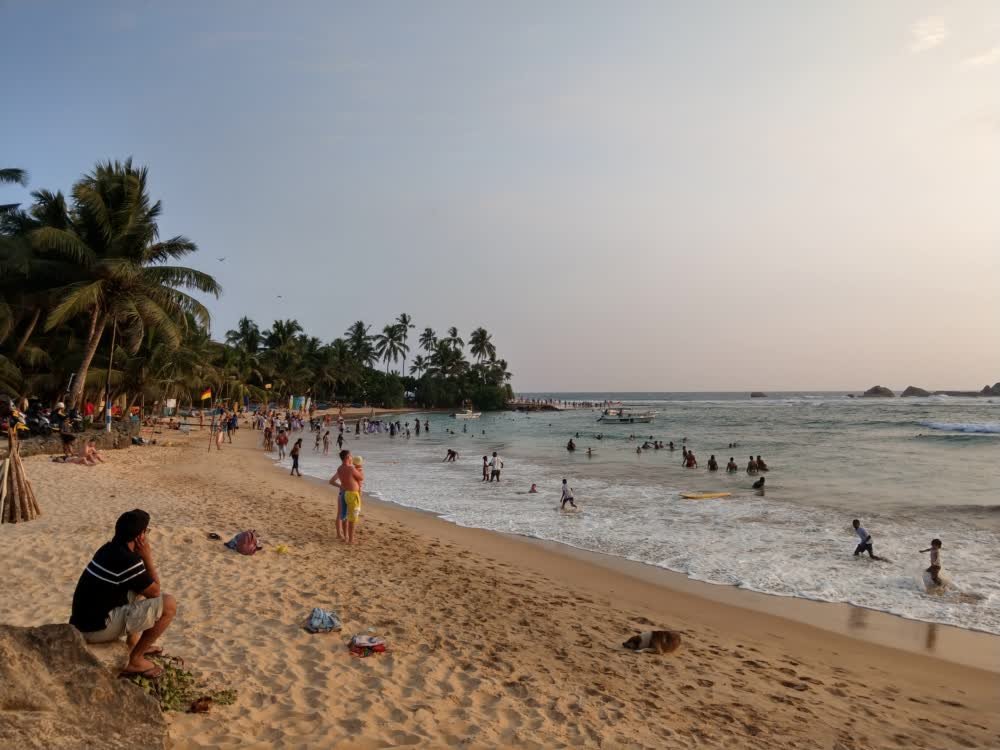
56	695
878	391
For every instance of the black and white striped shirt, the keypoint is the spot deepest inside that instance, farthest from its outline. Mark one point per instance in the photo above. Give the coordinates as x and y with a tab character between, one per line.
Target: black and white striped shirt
104	585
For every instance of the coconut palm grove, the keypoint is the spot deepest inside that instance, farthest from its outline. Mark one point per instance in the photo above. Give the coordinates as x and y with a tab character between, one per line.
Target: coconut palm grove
92	298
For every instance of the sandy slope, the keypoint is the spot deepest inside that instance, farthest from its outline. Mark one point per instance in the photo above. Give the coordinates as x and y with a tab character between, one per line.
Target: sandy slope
495	642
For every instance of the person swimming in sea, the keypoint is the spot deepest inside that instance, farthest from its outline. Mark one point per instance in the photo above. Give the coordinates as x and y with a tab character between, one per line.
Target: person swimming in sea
731	467
713	465
671	446
761	466
759	485
534	488
571	446
590	452
751	466
690	462
451	456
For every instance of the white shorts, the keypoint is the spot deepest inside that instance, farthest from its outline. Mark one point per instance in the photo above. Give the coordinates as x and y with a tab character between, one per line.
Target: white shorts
135	617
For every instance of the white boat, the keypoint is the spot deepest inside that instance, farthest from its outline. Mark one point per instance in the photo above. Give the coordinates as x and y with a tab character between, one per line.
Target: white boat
625	416
467	414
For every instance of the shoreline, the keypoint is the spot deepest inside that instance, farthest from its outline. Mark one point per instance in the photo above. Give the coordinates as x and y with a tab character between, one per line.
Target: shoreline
949	643
494	641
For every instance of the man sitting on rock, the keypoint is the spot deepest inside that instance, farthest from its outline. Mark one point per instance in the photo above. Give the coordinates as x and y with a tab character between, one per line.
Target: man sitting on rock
119	594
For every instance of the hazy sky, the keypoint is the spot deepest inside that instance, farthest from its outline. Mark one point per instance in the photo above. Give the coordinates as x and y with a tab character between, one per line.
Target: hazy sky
629	196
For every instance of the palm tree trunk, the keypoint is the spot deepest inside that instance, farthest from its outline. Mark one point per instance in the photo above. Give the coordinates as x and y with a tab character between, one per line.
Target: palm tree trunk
97	324
28	331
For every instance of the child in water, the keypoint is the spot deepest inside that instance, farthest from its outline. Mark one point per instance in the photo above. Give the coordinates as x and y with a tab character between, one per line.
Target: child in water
935	568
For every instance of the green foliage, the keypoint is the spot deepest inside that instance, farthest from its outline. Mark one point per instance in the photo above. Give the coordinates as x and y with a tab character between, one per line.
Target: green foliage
77	272
176	689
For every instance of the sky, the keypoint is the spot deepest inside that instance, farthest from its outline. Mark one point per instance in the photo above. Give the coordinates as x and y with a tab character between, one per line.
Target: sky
629	196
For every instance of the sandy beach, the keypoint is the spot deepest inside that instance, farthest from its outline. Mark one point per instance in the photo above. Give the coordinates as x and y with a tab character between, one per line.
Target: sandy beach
494	641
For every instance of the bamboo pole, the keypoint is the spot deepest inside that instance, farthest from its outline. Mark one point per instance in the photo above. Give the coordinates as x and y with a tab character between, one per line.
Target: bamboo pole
3	486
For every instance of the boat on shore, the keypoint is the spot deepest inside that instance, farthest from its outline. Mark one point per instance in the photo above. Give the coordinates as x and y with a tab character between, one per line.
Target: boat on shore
626	416
467	414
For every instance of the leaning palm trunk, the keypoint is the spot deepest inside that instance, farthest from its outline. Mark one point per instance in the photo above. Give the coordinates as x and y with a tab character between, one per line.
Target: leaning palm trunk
97	324
28	331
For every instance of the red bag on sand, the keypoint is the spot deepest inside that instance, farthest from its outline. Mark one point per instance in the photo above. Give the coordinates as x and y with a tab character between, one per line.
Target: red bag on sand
246	542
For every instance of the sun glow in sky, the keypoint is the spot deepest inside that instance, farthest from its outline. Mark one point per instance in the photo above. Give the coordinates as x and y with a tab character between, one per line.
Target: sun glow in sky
629	196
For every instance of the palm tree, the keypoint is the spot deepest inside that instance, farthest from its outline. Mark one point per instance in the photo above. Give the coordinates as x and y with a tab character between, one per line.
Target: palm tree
454	340
405	323
245	337
120	278
418	366
360	343
282	333
447	361
428	340
391	344
12	176
481	345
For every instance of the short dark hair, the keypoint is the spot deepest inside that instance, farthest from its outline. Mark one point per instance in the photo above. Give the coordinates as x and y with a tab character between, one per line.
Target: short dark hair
855	522
344	454
130	525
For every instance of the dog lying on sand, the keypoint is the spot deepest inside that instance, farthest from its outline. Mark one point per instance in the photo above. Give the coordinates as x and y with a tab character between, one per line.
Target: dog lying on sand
658	641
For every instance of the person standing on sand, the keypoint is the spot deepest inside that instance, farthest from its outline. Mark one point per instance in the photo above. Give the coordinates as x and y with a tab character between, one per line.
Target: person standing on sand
348	479
296	450
486	468
119	594
282	441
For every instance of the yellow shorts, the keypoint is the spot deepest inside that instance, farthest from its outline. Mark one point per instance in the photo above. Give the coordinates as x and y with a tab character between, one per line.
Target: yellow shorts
352	500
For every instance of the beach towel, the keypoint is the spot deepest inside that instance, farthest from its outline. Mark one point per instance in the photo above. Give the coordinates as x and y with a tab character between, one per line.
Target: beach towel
245	542
322	621
366	645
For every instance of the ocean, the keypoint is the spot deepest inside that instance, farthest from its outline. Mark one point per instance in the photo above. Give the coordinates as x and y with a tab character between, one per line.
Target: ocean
909	469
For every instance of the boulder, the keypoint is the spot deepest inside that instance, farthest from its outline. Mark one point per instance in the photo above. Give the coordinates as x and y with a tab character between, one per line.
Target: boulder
55	694
878	391
912	390
757	394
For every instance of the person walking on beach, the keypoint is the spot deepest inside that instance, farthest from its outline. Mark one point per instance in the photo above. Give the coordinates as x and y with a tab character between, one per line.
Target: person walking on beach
349	478
865	544
486	467
340	441
316	442
296	450
282	441
567	496
326	443
496	464
119	594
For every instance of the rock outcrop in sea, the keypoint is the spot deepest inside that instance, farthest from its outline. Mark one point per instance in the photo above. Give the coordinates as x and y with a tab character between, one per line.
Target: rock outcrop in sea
878	391
54	693
912	390
758	394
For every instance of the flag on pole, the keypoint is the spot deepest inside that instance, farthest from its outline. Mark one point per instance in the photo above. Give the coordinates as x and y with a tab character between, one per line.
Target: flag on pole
206	394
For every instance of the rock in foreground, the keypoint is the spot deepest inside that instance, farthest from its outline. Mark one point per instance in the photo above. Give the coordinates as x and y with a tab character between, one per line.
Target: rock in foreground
55	694
912	390
878	391
758	394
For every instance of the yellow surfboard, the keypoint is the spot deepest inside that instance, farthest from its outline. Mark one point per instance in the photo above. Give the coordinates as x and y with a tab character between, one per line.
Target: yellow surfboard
704	495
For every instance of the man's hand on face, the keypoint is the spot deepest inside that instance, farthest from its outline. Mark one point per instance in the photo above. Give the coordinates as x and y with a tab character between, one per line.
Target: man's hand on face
143	548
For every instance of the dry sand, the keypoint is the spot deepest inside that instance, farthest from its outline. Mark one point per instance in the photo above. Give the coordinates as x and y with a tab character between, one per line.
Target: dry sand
494	641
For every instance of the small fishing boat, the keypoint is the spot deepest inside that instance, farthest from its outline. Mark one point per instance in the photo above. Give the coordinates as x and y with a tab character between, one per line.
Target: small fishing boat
626	416
467	414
